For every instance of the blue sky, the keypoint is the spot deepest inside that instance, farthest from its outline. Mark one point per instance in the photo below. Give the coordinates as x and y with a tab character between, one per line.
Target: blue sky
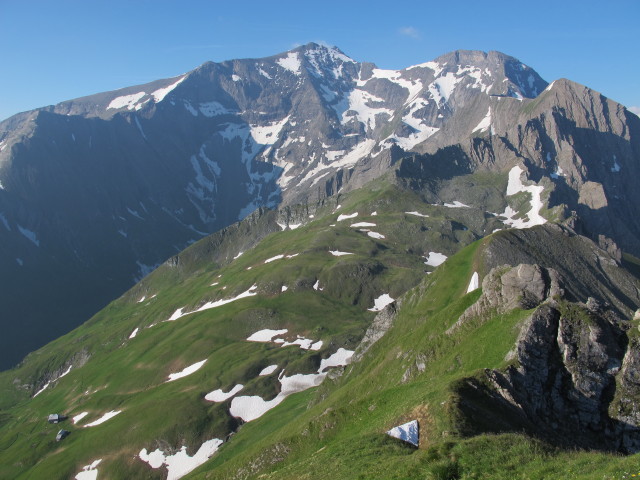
52	51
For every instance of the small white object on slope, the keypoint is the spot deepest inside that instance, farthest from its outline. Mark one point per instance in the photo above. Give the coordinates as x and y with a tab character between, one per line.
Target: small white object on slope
265	335
46	385
268	370
363	224
247	293
456	204
305	344
435	259
381	302
220	396
187	371
179	464
474	283
89	472
338	253
79	417
408	432
134	333
340	358
346	217
417	214
104	418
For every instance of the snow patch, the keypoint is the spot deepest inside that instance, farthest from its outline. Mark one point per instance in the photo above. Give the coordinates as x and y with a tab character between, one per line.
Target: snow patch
442	87
268	370
104	418
213	109
338	253
456	204
4	221
417	214
435	259
346	217
304	343
127	101
514	186
140	128
376	235
273	259
187	371
250	408
340	358
176	315
46	385
89	472
616	168
266	335
484	124
79	417
180	313
159	94
358	105
381	302
474	284
134	333
180	463
220	396
263	73
291	62
363	225
267	134
29	235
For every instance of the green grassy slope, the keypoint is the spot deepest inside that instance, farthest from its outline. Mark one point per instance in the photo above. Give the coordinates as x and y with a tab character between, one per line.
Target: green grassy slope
335	430
112	372
409	374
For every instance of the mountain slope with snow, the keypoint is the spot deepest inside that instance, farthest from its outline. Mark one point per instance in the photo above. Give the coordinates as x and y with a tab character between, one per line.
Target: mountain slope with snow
96	192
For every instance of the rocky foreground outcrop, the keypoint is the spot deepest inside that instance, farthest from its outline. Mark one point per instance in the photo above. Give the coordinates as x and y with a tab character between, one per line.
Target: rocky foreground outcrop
574	373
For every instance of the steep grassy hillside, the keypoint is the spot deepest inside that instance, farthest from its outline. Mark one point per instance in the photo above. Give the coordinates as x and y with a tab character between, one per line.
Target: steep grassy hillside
216	353
413	372
203	305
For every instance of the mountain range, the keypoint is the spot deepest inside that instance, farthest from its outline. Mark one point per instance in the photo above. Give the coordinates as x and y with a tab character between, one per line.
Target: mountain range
452	243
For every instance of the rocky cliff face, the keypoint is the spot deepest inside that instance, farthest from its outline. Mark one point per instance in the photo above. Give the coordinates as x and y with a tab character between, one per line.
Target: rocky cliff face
573	374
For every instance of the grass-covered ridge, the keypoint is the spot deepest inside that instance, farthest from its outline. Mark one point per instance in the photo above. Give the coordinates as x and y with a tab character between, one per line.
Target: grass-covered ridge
112	372
335	430
411	373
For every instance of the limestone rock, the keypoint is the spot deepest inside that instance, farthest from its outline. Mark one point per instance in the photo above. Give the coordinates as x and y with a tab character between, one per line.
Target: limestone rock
505	288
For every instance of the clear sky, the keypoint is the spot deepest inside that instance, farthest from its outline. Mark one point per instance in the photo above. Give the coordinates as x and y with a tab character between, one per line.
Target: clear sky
55	50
